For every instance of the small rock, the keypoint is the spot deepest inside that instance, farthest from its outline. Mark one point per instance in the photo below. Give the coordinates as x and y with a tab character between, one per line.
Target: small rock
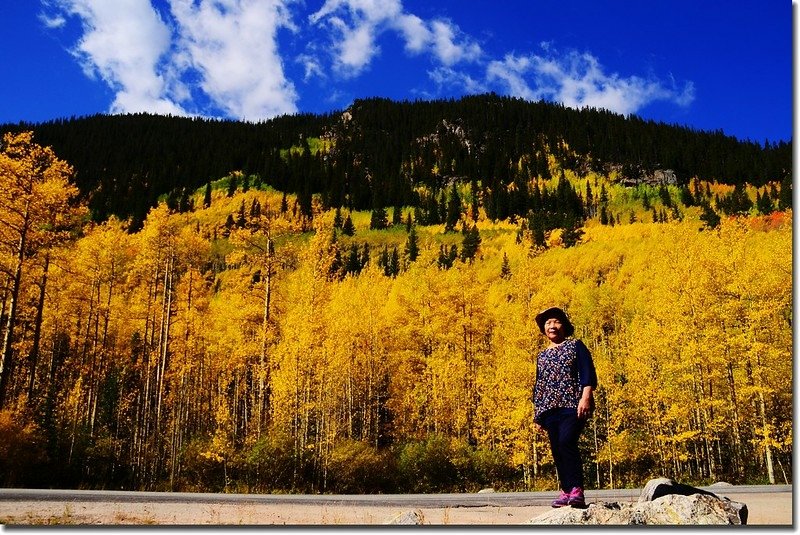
486	491
408	518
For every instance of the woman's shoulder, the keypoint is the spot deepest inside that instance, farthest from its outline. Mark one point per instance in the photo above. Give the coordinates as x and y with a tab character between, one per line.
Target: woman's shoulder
580	346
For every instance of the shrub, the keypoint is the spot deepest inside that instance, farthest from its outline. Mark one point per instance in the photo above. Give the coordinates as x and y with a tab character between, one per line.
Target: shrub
426	466
271	465
355	467
21	450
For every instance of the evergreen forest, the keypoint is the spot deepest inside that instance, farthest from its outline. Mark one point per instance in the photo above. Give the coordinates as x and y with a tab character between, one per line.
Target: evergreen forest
344	303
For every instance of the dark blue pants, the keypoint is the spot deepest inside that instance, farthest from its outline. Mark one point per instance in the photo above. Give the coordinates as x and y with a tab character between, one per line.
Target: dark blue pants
564	429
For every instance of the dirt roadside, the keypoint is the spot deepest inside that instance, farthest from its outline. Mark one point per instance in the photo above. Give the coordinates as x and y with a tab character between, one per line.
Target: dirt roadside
767	509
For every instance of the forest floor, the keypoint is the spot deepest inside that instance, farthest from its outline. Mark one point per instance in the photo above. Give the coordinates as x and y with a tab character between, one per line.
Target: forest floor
765	509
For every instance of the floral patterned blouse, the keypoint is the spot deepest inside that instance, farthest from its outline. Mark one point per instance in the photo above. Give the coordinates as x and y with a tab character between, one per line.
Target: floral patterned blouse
562	372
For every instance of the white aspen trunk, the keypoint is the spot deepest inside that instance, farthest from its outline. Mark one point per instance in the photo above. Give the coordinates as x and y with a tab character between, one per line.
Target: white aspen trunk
767	448
7	354
262	398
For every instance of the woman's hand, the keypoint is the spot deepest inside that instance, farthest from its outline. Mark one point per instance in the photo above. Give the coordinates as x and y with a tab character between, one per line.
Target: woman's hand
585	403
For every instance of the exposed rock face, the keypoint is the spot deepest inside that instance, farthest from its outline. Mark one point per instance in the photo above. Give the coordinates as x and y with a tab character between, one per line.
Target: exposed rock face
662	502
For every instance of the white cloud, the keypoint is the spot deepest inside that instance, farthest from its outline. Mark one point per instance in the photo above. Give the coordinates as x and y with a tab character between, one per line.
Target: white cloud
415	31
355	25
123	43
228	47
233	46
52	22
448	77
578	80
450	46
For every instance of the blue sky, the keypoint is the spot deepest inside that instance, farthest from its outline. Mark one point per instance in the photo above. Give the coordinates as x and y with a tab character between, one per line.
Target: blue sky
708	65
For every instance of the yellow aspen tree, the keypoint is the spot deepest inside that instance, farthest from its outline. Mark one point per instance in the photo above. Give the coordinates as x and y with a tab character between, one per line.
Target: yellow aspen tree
36	201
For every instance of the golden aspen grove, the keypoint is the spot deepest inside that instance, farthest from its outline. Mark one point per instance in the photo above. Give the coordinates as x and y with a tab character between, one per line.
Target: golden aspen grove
241	346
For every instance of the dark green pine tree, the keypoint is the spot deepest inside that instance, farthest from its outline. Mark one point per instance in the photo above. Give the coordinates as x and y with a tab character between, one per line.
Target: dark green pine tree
537	228
645	200
352	265
246	183
284	204
347	227
447	256
394	263
173	200
471	243
452	254
409	223
305	202
185	202
229	224
207	196
666	198
764	203
505	268
233	184
241	221
572	233
364	261
785	194
441	206
412	245
709	216
337	218
687	199
603	202
773	192
474	211
603	215
397	215
383	261
698	192
255	209
453	210
378	219
590	206
337	265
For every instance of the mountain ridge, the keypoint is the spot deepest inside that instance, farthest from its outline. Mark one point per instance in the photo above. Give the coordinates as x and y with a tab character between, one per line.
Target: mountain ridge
387	150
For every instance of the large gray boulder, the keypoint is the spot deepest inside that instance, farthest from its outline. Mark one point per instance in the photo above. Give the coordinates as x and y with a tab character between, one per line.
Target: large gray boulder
672	509
656	488
662	502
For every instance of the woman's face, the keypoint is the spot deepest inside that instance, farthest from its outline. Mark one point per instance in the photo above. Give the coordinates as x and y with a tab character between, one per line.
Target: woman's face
554	330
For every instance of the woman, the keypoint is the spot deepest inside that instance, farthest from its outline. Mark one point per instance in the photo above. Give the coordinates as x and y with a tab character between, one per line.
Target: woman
563	399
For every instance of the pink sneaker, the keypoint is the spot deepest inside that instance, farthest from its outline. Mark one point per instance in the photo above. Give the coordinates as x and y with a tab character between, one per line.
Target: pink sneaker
562	500
576	498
